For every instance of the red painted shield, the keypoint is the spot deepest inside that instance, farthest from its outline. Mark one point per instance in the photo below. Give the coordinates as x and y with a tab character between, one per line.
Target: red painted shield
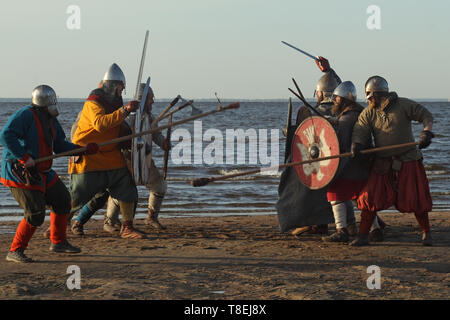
315	138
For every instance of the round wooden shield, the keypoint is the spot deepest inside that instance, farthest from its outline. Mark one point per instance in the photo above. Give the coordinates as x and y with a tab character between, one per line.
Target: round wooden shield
315	138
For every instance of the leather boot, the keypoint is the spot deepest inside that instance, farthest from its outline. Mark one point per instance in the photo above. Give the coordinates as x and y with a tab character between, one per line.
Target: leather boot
152	220
352	231
77	228
129	232
110	226
361	240
376	235
341	235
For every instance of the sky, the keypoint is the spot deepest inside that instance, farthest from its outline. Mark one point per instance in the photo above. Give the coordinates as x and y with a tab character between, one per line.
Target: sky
232	47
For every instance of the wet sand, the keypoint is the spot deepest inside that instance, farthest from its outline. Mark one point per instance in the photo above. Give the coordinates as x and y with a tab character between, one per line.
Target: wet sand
236	257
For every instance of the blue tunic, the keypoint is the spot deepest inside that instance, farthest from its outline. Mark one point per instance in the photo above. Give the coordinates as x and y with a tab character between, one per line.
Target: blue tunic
23	137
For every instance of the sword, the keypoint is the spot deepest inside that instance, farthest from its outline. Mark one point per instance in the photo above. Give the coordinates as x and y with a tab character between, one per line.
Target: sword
300	50
141	67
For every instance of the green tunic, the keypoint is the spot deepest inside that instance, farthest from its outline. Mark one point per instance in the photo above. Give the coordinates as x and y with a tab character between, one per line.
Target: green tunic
391	124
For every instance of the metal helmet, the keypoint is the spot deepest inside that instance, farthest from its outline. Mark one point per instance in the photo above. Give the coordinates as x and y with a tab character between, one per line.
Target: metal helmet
375	84
43	96
114	73
346	90
141	91
327	83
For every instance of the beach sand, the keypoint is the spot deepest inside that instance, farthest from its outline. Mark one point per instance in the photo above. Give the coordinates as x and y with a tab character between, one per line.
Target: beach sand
234	257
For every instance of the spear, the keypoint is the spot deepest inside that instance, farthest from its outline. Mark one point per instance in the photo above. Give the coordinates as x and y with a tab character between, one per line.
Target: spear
204	181
234	105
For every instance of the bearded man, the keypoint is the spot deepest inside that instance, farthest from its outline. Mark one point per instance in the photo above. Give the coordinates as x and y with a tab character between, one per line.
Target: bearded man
100	121
352	173
397	177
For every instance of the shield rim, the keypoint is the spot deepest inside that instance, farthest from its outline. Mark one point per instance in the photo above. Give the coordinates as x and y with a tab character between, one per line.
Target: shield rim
338	149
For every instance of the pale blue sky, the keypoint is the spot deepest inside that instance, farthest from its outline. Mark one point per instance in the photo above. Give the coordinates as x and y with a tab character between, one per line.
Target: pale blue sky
232	47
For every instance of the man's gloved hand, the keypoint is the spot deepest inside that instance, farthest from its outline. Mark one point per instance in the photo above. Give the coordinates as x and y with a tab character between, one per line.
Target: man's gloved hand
425	139
29	163
91	148
131	106
323	64
356	149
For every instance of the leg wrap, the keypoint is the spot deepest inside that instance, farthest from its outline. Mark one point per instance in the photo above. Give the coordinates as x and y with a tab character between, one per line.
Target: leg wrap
113	210
155	201
340	214
127	210
23	235
58	225
85	214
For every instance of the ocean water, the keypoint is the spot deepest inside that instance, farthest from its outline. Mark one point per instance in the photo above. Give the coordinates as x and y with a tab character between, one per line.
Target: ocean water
256	194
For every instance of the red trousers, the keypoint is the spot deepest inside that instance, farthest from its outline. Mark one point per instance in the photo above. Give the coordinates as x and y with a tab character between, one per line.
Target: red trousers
343	189
412	195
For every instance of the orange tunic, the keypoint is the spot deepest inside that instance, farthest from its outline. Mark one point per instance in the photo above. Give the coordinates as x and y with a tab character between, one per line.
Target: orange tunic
96	125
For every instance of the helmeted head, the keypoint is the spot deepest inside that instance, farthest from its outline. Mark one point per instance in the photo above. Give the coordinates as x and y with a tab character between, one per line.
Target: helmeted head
375	84
113	81
141	91
325	87
345	90
44	97
150	95
343	95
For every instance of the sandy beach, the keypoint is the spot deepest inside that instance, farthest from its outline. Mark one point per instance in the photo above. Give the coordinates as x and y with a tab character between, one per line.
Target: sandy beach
234	257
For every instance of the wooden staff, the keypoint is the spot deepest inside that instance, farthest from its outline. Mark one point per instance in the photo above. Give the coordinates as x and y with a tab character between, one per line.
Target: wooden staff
188	103
166	152
204	181
234	105
161	115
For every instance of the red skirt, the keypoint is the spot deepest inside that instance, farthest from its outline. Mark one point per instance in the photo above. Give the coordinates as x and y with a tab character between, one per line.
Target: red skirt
344	189
413	194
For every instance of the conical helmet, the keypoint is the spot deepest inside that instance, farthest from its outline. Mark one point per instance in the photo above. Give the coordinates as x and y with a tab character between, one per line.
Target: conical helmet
114	73
375	84
346	90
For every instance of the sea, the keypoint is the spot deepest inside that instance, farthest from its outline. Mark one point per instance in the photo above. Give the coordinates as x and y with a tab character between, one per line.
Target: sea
201	149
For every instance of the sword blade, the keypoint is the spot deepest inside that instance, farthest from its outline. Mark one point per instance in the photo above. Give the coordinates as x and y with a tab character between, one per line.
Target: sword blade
300	50
141	67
